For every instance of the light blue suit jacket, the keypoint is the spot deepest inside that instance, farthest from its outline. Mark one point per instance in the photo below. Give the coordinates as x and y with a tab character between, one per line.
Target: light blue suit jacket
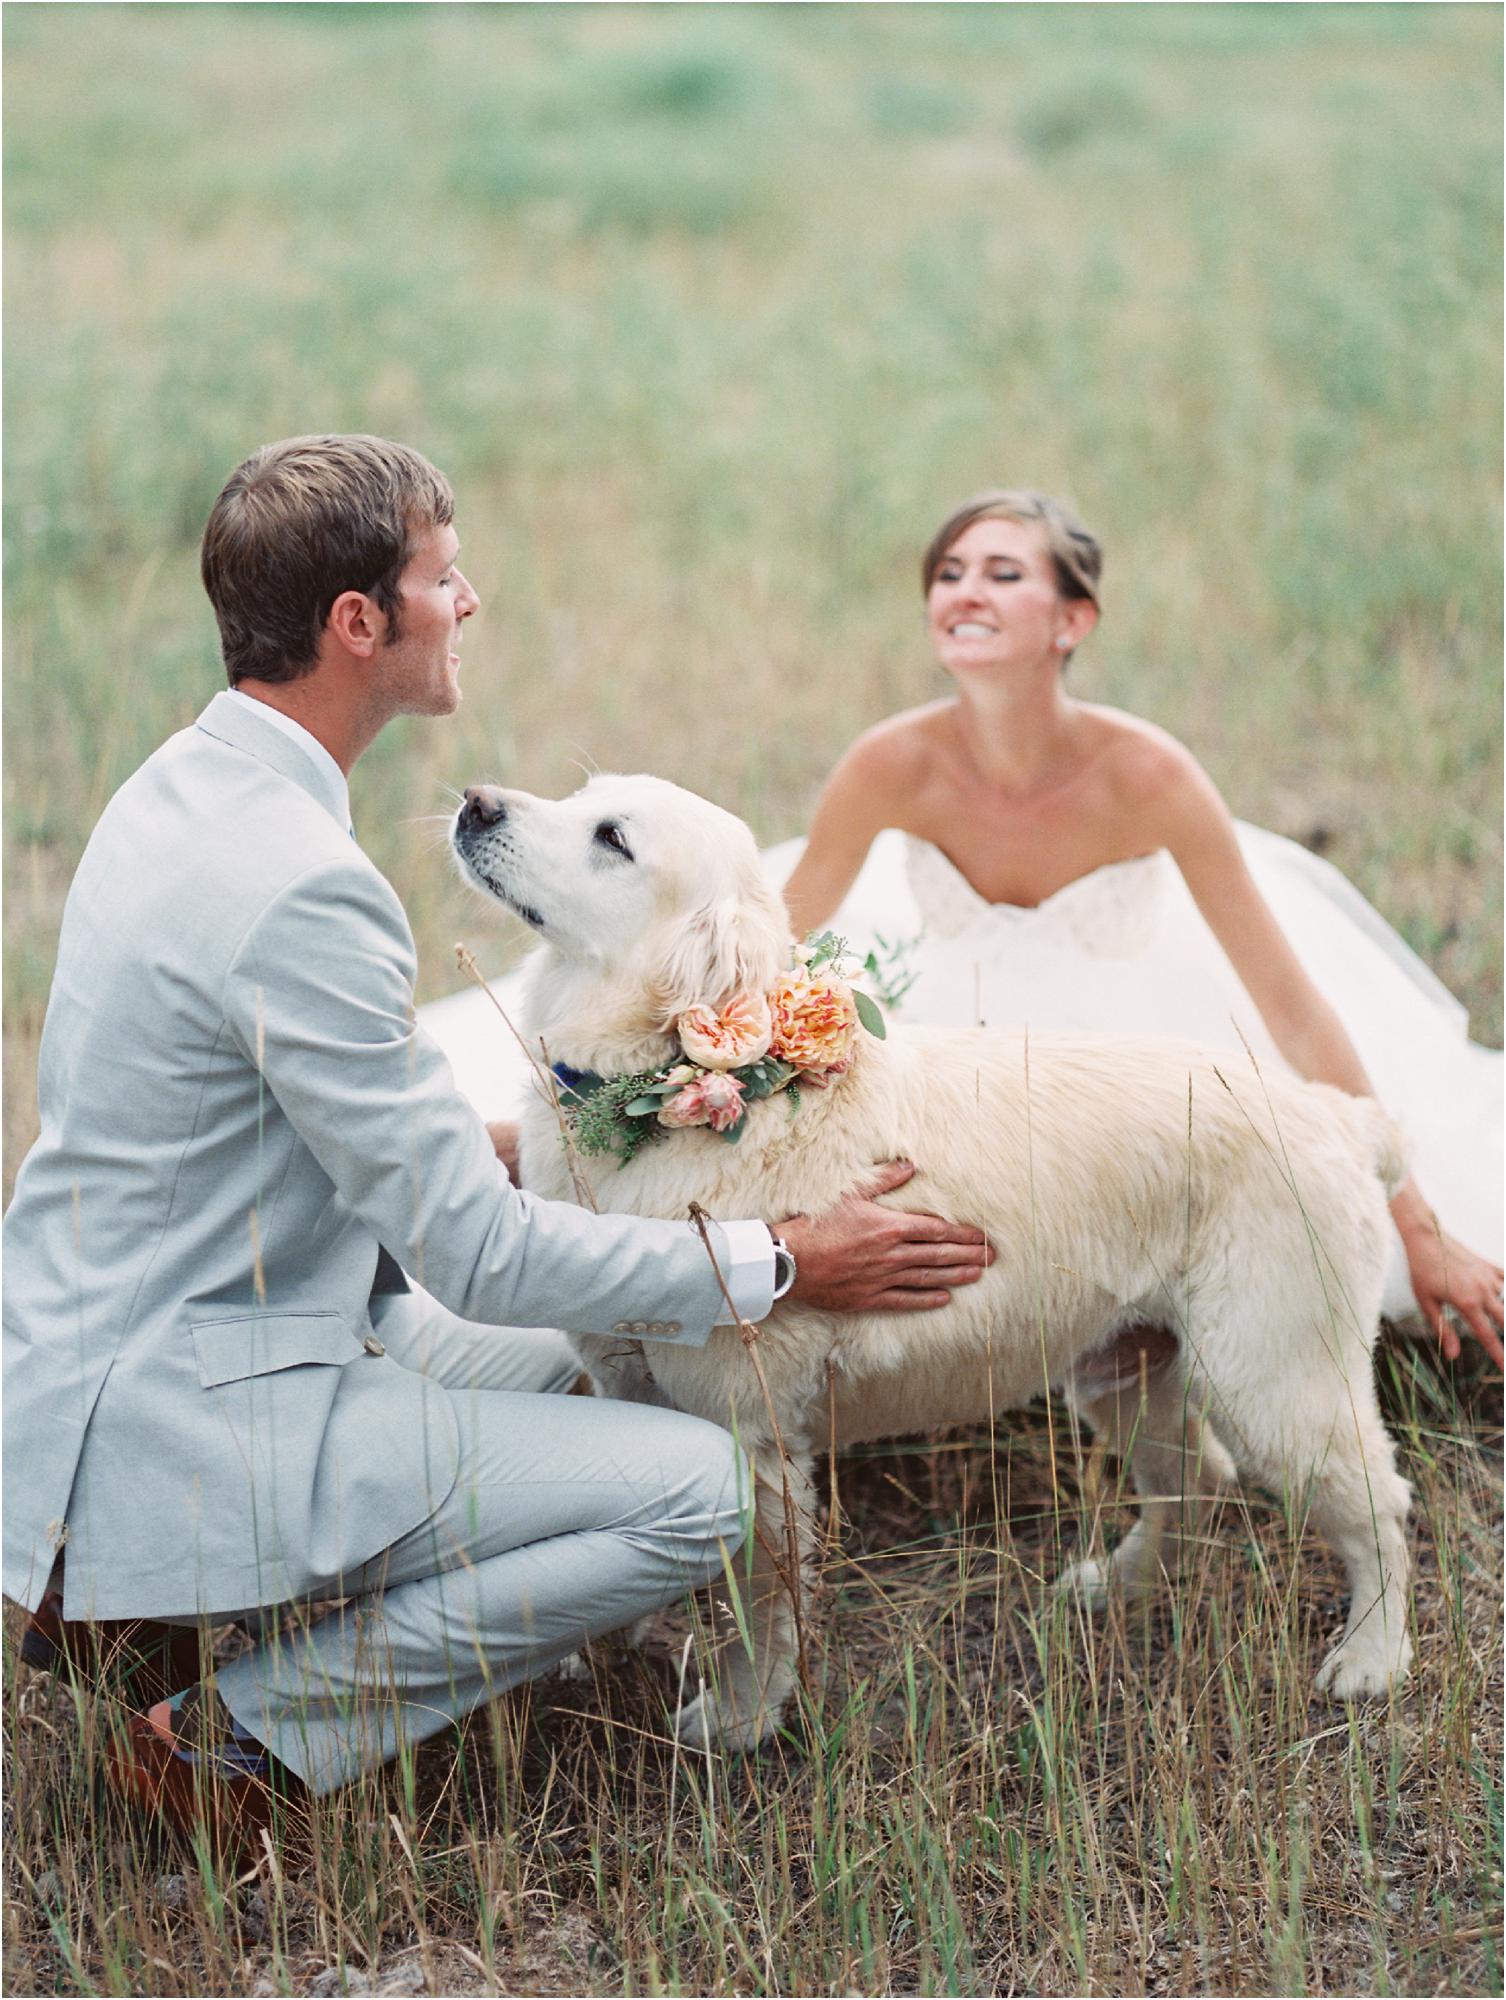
236	1112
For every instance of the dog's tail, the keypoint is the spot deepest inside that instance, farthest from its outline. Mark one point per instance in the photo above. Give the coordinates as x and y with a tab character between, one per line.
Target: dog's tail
1382	1141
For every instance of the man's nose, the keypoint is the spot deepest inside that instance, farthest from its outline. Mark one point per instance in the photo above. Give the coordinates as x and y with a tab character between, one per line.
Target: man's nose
484	806
466	600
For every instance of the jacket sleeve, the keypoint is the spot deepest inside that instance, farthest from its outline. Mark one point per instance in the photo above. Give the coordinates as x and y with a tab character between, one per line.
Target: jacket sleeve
319	996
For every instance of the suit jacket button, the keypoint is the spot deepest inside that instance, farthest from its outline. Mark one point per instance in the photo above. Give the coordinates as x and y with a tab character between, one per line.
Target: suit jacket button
672	1326
623	1326
640	1326
372	1345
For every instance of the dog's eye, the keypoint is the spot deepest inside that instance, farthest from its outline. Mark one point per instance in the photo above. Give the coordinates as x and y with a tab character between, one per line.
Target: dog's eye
610	834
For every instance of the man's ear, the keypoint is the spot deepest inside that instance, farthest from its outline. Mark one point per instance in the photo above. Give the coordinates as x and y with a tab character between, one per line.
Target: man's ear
357	622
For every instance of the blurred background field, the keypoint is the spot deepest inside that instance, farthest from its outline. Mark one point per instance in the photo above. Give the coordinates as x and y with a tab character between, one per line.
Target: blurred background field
711	312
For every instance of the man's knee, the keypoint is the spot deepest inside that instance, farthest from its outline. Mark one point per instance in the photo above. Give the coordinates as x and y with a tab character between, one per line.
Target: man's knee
718	1488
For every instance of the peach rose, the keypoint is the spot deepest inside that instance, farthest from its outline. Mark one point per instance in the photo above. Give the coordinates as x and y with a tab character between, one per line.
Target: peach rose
713	1100
738	1034
814	1020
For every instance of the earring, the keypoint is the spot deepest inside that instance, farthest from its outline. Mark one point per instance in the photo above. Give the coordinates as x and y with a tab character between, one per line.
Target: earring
1063	644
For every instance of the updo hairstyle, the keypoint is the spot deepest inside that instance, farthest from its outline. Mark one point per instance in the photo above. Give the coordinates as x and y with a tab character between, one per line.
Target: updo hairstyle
1076	555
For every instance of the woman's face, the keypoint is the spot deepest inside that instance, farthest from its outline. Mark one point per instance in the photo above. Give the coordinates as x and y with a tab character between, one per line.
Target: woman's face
994	601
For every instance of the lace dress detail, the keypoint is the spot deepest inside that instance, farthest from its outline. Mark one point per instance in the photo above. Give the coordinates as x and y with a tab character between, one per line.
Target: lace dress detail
1112	913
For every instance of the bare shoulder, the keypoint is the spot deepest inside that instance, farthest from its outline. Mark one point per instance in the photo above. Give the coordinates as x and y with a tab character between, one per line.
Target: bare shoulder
893	757
1147	770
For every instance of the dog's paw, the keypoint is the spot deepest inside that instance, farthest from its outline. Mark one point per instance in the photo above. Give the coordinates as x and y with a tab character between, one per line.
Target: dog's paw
1088	1583
706	1723
1358	1668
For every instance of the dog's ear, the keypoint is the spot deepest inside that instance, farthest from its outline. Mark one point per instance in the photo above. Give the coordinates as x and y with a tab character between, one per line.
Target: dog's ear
738	944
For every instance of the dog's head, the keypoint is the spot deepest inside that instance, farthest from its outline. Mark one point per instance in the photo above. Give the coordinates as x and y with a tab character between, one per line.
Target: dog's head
649	900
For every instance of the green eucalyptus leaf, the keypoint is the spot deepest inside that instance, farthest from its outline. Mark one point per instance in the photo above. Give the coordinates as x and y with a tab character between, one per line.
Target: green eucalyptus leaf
869	1014
641	1106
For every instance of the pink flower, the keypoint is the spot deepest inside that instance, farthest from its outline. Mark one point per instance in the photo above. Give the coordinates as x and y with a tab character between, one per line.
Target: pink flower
713	1100
738	1034
814	1020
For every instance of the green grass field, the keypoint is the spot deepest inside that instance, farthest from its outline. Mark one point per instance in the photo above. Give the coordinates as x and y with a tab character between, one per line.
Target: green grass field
710	313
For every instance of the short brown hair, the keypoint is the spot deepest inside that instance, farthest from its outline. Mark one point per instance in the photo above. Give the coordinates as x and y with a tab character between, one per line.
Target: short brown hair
298	523
1076	555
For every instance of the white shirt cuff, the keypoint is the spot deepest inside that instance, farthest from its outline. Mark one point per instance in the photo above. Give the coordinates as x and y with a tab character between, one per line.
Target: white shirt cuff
746	1255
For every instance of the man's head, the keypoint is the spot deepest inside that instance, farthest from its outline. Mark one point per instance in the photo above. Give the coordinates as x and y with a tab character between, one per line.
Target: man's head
300	525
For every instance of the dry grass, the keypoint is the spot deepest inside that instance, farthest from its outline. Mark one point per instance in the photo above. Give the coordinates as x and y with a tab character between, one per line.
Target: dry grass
986	1793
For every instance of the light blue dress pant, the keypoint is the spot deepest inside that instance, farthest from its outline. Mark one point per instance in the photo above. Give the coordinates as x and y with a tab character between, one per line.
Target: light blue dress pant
570	1517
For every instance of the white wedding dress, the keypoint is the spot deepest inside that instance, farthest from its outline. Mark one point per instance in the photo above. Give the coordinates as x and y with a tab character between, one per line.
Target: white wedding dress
1125	951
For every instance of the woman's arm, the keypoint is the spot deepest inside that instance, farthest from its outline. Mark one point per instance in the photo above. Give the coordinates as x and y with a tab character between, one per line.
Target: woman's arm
1192	821
858	800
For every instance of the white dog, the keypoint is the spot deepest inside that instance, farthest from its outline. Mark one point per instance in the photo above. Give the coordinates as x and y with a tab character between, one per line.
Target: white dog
1184	1247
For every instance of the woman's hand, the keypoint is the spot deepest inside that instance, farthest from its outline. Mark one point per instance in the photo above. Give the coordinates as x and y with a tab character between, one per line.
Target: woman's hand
1446	1275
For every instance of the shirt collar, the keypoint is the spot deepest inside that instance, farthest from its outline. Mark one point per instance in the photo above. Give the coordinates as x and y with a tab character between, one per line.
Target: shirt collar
308	743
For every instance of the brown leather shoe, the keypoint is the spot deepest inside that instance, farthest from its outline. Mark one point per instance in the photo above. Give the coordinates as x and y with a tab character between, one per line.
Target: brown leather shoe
139	1660
232	1790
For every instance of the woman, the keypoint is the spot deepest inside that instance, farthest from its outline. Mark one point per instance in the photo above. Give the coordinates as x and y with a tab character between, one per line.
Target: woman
1069	865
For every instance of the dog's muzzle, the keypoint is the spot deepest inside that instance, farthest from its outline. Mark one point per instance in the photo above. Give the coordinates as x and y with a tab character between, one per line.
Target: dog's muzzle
480	840
484	809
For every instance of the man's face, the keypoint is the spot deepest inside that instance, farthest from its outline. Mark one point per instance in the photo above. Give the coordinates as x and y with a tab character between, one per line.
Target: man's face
418	671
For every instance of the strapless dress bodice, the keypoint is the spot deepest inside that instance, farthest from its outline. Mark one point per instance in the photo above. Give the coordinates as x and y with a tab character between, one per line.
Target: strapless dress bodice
1112	912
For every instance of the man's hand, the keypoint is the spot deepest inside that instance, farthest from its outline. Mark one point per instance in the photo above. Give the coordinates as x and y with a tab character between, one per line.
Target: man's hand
504	1138
859	1257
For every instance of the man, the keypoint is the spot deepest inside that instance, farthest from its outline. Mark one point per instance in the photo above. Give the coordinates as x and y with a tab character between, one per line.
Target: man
245	1142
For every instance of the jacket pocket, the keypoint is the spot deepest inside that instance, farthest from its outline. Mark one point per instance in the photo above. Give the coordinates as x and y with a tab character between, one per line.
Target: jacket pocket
230	1350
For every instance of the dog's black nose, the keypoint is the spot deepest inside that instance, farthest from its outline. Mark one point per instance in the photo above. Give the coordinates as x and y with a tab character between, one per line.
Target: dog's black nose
484	806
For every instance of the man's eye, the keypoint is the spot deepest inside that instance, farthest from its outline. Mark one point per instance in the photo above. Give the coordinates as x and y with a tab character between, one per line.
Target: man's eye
610	834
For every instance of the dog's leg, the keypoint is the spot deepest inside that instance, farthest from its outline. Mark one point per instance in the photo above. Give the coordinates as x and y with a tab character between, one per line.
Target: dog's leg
1310	1427
1359	1503
1178	1466
756	1668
